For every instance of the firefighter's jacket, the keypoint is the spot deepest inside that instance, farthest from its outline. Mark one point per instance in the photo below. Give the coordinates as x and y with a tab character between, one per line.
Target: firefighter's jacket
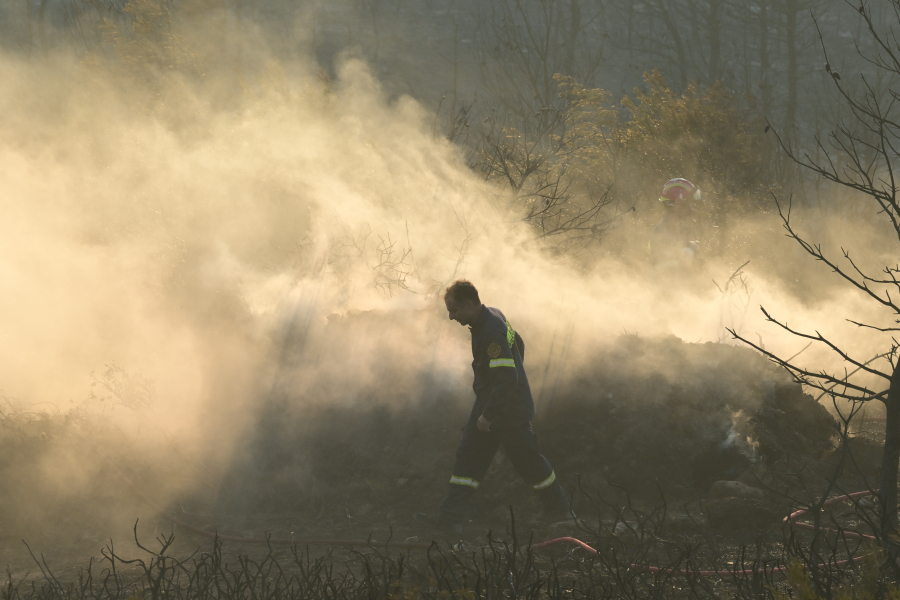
502	393
669	245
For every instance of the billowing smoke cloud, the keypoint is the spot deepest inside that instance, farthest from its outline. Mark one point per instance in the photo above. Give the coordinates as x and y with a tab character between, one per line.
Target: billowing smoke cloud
288	247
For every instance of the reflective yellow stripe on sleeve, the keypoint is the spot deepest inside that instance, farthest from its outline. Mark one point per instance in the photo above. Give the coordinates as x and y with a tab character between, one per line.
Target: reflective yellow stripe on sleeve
464	481
546	482
503	362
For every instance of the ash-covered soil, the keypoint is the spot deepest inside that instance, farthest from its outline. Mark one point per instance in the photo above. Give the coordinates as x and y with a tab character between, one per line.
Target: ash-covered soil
650	422
646	415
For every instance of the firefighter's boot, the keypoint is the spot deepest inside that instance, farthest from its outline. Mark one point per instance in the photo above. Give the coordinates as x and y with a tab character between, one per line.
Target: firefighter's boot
557	507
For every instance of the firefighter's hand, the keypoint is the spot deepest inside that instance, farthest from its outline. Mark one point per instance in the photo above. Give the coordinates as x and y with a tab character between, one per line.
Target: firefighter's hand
484	425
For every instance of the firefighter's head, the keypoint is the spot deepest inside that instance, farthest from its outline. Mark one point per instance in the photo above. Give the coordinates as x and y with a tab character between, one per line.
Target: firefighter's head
678	194
463	303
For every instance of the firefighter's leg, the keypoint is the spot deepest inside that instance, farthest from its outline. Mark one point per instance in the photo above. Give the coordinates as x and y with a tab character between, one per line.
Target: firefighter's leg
474	454
520	444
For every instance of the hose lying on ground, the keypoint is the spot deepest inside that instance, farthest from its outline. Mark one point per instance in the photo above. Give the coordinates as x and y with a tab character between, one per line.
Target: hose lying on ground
790	519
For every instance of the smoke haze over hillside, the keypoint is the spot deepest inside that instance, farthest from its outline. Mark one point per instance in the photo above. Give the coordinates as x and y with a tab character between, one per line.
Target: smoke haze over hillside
221	245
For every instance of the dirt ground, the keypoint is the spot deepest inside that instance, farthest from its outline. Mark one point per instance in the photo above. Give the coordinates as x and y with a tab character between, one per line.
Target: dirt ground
625	438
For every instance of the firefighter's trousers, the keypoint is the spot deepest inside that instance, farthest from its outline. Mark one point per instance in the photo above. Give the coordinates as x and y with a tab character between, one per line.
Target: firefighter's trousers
474	454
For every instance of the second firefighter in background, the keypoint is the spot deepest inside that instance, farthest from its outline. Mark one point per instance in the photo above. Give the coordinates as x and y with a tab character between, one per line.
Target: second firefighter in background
673	245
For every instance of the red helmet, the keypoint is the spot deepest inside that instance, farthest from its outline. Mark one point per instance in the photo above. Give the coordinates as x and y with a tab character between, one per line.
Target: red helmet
677	190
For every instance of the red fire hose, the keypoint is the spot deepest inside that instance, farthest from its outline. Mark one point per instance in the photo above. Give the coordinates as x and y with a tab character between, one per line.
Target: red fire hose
790	519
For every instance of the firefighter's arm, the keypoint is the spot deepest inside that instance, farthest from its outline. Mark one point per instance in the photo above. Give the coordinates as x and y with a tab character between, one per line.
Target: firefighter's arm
502	376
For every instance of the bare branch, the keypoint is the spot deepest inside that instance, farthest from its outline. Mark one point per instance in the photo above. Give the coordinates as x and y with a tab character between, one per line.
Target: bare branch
819	338
817	380
816	252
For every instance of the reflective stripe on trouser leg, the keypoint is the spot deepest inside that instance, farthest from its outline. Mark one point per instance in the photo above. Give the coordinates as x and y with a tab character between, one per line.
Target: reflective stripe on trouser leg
545	483
465	481
473	457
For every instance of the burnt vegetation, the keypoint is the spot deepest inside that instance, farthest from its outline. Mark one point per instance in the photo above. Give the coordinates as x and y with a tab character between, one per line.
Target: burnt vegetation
699	511
687	462
639	554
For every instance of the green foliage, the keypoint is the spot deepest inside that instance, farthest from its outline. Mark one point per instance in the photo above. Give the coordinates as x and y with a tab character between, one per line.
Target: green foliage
706	135
573	169
703	134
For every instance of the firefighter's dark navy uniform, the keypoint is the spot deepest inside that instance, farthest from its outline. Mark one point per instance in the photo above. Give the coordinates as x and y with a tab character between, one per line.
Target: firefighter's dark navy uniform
503	396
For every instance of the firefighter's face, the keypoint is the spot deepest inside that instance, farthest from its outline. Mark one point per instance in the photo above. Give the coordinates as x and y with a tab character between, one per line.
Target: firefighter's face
463	313
685	207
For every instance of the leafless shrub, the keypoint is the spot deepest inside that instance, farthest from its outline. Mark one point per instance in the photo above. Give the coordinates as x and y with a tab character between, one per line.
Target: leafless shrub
524	44
860	155
117	386
391	263
528	158
736	294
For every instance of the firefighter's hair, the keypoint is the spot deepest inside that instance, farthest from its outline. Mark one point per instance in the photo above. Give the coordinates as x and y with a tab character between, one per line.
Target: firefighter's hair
462	290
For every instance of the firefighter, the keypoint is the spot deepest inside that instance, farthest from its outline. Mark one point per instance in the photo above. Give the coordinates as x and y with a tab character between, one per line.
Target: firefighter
501	415
671	244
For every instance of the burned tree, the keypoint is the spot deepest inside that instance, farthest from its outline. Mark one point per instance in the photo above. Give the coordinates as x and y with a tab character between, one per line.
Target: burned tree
524	44
860	154
534	164
524	140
